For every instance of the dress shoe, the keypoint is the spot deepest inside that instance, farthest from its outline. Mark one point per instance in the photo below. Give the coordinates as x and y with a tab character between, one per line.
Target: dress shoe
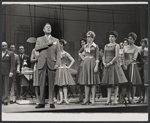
67	103
12	102
60	103
40	106
108	103
52	106
5	103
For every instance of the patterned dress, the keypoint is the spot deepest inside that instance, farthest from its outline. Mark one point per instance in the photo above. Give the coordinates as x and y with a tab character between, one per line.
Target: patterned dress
132	72
114	74
87	75
63	75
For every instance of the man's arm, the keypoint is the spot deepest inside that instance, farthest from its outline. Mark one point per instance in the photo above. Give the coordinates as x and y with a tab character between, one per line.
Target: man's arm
58	54
39	47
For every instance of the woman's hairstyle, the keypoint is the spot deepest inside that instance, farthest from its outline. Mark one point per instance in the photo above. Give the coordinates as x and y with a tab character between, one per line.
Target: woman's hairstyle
62	41
125	39
144	40
91	33
113	33
133	35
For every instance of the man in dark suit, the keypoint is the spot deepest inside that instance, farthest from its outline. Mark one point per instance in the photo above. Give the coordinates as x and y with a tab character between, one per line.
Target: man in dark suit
24	60
15	75
48	62
8	64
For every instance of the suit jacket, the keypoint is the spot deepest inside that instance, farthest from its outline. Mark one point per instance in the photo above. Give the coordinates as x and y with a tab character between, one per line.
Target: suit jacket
26	58
49	52
8	63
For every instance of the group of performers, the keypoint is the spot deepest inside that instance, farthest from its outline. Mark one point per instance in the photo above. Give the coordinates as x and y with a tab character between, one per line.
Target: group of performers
123	77
117	65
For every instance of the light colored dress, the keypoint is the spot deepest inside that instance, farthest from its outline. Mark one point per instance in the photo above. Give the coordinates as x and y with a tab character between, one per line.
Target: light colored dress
120	60
35	70
88	76
113	75
63	75
132	72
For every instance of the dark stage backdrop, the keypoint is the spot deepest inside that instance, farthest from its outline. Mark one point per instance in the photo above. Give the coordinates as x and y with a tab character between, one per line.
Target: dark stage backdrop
71	22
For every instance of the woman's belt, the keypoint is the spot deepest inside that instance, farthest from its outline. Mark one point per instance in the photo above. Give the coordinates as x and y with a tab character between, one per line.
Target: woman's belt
89	57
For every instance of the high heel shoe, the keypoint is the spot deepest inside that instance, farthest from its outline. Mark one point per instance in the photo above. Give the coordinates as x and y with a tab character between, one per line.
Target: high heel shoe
66	102
115	103
108	103
80	101
93	103
132	102
60	103
85	103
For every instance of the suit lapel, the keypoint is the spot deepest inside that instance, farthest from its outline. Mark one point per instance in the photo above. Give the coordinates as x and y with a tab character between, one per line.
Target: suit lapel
5	54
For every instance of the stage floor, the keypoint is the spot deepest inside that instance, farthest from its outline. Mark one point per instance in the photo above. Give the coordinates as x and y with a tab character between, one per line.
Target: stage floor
76	107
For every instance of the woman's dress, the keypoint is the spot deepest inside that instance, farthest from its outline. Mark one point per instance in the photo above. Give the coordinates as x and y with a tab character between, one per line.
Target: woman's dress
87	75
132	73
113	75
63	74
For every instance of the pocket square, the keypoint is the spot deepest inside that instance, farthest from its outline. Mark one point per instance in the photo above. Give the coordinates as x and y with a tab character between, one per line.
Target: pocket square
7	55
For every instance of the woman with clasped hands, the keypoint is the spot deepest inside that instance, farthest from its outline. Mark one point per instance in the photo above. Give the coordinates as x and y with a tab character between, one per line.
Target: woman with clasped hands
113	74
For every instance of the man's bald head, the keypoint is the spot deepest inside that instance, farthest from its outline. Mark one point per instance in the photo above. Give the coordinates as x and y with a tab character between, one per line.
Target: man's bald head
4	46
4	43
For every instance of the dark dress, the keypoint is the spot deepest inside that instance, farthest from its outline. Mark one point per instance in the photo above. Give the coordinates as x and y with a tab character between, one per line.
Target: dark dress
63	74
114	74
88	76
132	72
146	66
79	73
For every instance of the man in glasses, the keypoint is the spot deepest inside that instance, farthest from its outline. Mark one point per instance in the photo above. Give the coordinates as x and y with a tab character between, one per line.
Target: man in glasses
8	64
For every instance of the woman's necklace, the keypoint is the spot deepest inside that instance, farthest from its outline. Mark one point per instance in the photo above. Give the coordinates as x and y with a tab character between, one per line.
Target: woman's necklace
112	44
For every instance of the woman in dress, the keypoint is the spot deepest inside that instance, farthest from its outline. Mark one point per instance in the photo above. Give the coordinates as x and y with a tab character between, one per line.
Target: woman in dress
113	74
63	76
120	60
78	77
90	76
34	59
131	68
144	69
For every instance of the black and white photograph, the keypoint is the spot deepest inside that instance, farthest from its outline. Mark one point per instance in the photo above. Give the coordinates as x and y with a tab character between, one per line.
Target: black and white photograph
74	61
